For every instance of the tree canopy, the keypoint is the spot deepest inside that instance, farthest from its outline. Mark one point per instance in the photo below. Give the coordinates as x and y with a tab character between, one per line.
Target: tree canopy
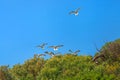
105	65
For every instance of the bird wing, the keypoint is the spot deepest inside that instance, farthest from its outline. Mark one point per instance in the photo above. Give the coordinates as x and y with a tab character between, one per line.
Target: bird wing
45	43
51	46
46	52
77	9
60	45
72	12
77	51
42	55
70	51
51	53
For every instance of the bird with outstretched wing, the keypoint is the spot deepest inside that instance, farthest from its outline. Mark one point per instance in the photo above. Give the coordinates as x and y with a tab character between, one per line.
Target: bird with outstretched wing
75	12
50	53
74	53
42	46
56	47
41	55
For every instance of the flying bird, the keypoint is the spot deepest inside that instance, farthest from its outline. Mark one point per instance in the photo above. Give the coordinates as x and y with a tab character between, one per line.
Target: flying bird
75	12
74	53
50	53
41	55
56	47
70	51
42	45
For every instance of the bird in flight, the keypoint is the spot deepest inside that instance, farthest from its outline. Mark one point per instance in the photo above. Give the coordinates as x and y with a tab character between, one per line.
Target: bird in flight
41	55
42	45
74	53
75	12
56	47
53	54
50	53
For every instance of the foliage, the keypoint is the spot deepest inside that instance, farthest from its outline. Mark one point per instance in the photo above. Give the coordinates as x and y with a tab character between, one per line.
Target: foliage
4	73
29	70
110	52
105	65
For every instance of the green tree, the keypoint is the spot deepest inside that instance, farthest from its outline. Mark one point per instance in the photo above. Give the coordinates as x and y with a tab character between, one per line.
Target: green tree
29	70
4	73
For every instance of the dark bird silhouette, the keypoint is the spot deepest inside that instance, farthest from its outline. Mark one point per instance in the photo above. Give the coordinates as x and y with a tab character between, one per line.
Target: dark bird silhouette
50	53
74	53
75	12
41	55
42	46
70	51
56	47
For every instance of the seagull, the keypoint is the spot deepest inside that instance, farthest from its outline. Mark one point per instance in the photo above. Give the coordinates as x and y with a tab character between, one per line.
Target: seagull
74	53
50	53
75	12
56	47
42	45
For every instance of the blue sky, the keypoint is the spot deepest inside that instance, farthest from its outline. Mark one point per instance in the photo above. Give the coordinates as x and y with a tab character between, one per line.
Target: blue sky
27	23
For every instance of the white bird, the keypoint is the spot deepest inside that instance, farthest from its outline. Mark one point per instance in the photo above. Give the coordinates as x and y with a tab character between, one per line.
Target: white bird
75	12
42	45
56	47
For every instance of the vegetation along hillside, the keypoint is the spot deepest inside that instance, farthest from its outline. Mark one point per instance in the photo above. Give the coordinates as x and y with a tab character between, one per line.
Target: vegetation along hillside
105	65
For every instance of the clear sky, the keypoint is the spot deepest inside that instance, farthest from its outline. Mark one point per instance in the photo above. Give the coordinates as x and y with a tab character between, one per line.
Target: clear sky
27	23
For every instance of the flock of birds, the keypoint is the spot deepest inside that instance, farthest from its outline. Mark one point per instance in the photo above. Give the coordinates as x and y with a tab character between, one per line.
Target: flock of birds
55	48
